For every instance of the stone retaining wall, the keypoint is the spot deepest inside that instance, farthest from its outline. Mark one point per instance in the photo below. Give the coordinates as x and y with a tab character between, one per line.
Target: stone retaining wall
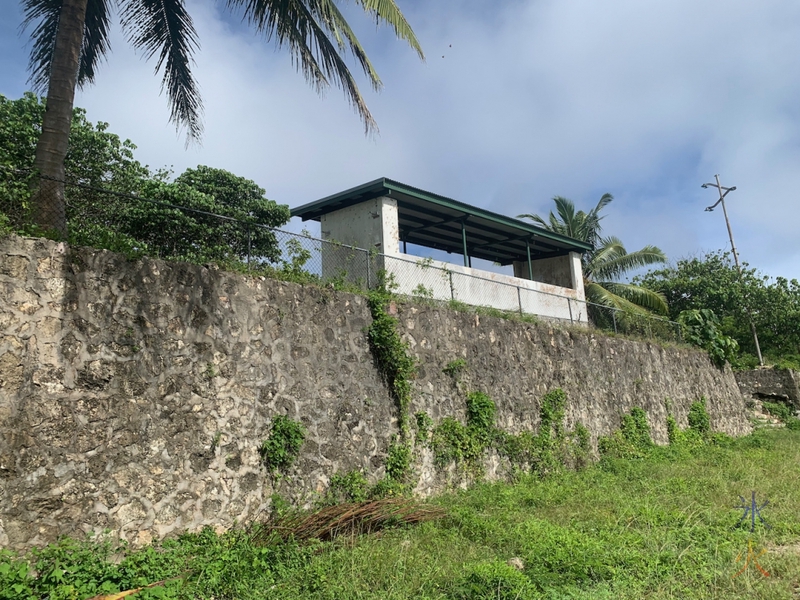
134	394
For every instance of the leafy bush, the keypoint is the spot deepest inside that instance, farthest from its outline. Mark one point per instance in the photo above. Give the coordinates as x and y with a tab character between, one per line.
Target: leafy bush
348	487
391	353
632	440
481	412
454	442
713	282
702	328
107	195
282	447
424	424
698	418
455	367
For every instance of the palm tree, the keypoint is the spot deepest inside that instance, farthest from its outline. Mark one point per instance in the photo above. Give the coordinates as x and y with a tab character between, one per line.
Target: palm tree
71	37
607	261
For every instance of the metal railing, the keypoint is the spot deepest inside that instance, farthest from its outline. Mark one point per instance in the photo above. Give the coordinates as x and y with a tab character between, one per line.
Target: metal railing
162	228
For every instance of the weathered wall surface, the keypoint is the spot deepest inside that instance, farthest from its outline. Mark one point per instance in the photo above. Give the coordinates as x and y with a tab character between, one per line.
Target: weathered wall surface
771	384
134	395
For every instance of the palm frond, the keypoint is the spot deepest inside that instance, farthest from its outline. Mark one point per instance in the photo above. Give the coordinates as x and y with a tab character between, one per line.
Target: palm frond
46	14
164	27
648	299
292	23
387	11
95	40
338	26
565	221
604	201
597	293
612	261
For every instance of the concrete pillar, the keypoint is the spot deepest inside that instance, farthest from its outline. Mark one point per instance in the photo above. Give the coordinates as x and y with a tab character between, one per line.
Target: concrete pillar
373	227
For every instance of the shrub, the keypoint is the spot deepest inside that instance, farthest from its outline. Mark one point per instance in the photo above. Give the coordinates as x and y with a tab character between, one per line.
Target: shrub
282	447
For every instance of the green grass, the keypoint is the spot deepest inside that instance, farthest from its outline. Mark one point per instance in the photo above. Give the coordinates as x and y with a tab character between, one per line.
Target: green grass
657	527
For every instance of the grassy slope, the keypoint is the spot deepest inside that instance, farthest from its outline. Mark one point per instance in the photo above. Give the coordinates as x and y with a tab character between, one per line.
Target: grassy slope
660	527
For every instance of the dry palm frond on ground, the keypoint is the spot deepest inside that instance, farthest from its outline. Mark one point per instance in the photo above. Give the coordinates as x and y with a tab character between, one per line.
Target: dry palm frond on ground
348	518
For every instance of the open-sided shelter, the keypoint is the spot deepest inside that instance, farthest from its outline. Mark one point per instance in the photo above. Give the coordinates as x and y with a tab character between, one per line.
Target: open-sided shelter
384	216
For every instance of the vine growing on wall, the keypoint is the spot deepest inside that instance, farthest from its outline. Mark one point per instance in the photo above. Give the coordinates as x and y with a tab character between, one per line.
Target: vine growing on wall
391	353
542	453
399	368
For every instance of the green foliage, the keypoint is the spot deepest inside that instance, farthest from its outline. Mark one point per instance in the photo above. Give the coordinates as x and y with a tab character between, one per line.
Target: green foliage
481	413
702	328
391	353
632	440
106	182
783	413
543	454
425	293
5	225
424	425
508	315
698	418
455	367
494	580
95	157
788	361
465	444
281	448
453	442
398	462
348	487
712	282
581	446
548	451
293	269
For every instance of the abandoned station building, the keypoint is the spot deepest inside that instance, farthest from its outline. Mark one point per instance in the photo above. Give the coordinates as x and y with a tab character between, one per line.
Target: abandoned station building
370	227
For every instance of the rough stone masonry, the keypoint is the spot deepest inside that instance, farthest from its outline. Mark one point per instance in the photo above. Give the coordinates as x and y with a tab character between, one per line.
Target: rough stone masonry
134	394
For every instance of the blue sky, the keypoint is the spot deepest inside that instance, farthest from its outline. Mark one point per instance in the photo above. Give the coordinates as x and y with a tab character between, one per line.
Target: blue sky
518	101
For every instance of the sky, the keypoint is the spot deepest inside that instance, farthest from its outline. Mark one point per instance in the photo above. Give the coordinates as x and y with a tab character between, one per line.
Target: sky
517	101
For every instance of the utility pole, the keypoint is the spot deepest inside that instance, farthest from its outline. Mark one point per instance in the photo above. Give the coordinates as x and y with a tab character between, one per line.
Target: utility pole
723	191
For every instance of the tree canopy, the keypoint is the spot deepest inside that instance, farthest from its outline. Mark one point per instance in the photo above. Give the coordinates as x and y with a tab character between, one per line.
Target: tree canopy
712	282
71	37
115	202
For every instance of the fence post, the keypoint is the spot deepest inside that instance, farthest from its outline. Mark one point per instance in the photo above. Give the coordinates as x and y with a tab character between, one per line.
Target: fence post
569	305
519	299
369	282
452	290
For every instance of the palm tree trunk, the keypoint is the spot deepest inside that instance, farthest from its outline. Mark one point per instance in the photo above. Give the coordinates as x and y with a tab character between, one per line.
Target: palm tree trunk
51	149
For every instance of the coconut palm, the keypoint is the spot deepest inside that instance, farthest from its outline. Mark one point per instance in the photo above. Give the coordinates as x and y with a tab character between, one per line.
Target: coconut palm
70	37
608	260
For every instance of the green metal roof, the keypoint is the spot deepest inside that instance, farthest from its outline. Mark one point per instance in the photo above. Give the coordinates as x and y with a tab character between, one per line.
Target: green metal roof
434	221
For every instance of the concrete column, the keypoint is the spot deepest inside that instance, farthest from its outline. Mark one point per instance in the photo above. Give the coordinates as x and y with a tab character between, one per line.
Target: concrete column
372	226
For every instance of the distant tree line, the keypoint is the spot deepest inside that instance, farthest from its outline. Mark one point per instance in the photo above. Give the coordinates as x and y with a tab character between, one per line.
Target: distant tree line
712	283
706	295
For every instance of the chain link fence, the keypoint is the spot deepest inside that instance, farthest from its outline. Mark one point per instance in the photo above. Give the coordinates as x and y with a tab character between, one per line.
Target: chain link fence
166	228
